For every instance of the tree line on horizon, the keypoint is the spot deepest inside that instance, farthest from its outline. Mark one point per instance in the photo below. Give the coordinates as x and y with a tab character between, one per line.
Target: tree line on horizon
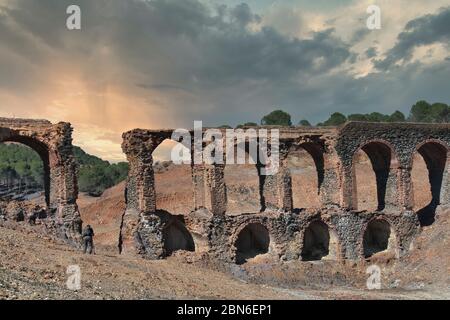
421	111
21	169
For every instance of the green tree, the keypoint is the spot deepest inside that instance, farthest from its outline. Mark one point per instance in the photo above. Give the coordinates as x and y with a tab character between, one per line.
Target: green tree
357	117
377	117
397	116
247	124
277	118
419	111
439	113
304	123
21	165
422	111
336	119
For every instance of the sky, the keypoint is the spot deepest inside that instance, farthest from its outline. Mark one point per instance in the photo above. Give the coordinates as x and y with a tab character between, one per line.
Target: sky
165	63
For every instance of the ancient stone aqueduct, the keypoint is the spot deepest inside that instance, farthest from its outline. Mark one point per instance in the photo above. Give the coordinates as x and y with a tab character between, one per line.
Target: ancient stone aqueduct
335	231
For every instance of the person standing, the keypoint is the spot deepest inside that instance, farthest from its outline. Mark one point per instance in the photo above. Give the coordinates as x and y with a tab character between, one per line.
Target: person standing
88	239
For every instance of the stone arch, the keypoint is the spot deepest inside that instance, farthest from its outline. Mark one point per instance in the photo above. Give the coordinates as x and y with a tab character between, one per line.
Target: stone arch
45	154
176	237
172	182
53	143
435	154
297	164
243	183
251	239
384	162
319	242
378	236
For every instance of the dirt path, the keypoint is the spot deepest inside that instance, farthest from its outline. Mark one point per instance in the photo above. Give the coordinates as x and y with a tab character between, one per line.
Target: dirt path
33	266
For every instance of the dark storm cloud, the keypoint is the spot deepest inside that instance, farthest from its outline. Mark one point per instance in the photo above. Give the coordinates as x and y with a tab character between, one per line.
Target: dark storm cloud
425	30
359	35
208	63
371	52
243	15
166	44
181	40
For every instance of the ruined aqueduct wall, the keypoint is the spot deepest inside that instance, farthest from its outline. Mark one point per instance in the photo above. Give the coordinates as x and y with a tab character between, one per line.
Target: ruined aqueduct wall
53	143
390	148
285	231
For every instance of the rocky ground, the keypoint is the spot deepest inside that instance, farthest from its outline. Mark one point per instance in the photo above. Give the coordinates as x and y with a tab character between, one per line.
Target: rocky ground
33	265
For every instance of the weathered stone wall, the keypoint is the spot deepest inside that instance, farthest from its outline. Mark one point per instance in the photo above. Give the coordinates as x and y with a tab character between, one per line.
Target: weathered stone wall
390	148
53	143
403	139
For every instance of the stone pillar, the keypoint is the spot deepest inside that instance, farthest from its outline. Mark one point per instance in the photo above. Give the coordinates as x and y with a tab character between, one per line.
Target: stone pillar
276	191
348	192
445	189
285	202
215	195
140	231
405	190
138	147
54	172
331	187
64	186
198	184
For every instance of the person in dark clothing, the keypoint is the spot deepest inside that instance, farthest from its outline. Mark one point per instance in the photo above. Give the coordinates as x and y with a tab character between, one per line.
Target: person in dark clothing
88	239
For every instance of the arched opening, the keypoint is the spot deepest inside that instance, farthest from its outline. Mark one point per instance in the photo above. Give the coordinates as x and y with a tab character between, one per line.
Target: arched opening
24	171
253	240
427	184
420	183
306	167
372	185
378	237
317	242
242	182
173	182
177	237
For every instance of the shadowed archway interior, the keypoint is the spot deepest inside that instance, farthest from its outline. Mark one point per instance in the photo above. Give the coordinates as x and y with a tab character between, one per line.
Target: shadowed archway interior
306	168
435	157
380	157
253	240
377	237
177	237
316	241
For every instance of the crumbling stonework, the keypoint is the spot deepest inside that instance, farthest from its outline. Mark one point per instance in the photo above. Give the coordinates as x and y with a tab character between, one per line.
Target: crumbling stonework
347	232
53	143
21	211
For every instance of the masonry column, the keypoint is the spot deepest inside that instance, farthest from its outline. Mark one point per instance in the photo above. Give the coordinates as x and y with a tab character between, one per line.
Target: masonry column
63	183
198	184
406	196
348	192
277	189
199	175
330	189
215	195
139	231
445	189
393	196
